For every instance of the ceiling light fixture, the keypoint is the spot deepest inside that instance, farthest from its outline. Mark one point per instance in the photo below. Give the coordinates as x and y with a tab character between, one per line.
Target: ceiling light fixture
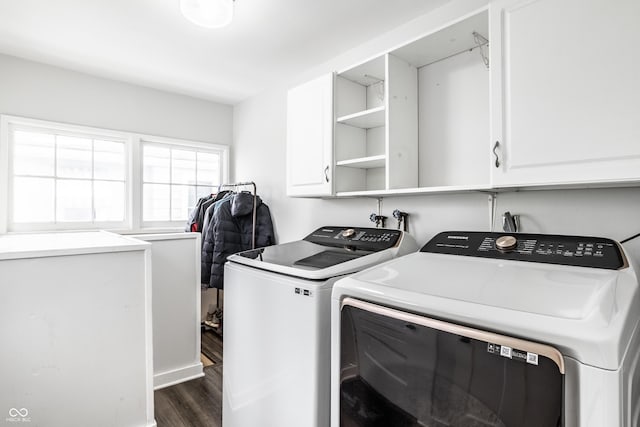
208	13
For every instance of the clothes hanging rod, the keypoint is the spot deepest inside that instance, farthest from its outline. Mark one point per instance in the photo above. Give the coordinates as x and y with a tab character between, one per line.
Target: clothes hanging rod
359	80
374	78
238	184
483	42
471	49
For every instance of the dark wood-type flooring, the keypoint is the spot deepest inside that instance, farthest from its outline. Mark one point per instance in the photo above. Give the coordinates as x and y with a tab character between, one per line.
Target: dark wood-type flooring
195	403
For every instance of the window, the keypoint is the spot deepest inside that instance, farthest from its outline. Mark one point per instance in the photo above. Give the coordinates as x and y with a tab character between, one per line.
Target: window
175	176
61	177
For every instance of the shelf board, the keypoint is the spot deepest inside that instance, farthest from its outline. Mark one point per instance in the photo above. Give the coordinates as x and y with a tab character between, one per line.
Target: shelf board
485	188
446	189
365	162
371	118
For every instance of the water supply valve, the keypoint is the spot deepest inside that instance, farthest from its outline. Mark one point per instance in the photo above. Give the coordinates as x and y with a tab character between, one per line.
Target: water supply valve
378	219
402	219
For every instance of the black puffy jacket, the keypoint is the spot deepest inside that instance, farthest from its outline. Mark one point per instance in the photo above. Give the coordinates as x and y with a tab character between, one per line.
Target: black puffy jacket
230	231
206	258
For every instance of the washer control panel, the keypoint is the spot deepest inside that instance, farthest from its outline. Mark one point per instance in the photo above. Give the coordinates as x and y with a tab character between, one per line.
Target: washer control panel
594	252
369	239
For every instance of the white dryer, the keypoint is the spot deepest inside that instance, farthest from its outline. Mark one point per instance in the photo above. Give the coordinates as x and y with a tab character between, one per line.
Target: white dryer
492	330
277	323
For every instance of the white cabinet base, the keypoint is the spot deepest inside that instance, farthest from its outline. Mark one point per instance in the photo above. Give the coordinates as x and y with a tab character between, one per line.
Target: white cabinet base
75	327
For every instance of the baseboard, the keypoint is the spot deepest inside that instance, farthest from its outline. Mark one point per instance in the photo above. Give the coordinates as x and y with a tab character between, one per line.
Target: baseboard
177	376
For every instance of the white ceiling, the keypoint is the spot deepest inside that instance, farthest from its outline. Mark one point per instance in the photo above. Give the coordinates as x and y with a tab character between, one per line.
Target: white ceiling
148	42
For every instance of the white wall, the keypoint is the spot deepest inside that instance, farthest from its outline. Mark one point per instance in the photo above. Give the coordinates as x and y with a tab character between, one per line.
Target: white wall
259	155
175	290
35	90
453	91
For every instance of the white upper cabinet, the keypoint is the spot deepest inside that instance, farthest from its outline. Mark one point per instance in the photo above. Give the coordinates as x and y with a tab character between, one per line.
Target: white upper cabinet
565	92
310	138
416	119
522	93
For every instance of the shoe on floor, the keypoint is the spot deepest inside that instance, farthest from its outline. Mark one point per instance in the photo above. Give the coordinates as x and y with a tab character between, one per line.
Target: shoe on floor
211	320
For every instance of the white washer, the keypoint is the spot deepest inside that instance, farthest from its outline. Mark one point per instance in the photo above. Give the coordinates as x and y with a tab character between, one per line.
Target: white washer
488	329
277	323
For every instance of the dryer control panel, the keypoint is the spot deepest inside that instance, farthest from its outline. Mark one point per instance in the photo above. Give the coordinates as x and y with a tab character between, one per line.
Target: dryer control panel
594	252
368	239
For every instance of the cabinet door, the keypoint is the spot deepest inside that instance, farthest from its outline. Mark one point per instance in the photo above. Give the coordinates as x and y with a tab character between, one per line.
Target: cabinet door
310	138
565	91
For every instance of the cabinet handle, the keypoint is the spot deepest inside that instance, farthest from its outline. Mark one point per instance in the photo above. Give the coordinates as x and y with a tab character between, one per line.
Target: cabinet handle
495	147
326	175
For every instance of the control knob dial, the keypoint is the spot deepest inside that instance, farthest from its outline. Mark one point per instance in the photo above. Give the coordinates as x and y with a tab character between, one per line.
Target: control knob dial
506	243
349	232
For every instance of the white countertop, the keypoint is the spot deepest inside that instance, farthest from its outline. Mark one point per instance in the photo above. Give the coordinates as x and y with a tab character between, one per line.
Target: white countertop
149	237
16	246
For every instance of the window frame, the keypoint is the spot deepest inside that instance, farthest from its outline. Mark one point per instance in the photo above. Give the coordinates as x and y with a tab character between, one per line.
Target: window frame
222	150
133	220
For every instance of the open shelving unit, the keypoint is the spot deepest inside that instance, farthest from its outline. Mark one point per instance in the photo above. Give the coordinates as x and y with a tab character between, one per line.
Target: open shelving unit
416	117
360	110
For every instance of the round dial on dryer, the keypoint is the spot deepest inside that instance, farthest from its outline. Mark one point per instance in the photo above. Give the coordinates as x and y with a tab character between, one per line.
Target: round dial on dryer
349	232
506	243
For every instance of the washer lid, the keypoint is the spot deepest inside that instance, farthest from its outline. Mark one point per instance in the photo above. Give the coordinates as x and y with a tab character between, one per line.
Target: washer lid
327	252
588	313
309	260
